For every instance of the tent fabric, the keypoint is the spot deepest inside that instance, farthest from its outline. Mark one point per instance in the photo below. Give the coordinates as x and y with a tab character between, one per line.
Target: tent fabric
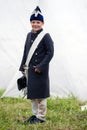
66	20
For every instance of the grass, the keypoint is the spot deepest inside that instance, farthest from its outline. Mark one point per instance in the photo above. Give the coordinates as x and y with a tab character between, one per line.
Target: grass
62	114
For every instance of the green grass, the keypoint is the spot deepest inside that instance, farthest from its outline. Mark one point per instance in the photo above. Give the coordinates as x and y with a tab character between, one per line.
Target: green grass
1	91
62	114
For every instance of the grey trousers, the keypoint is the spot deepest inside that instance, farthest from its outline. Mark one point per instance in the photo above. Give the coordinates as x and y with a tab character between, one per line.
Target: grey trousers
39	108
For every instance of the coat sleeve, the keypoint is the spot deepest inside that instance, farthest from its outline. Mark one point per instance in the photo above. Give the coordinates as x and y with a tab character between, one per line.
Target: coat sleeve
49	46
24	56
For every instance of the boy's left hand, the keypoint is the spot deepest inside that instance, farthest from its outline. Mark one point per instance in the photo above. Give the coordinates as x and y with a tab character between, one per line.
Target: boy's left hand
36	69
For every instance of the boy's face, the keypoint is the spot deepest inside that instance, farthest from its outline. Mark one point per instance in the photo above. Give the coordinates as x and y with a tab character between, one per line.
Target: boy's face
36	25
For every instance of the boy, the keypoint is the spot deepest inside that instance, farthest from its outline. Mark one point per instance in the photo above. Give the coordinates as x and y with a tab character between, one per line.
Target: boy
38	68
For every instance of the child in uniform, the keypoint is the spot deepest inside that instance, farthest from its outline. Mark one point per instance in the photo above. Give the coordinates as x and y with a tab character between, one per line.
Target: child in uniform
38	87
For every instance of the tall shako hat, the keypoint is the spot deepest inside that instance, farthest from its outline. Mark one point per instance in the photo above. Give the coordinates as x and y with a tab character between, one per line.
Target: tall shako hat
37	15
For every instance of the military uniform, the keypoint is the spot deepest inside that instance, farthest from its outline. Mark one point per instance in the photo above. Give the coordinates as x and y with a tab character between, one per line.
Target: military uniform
38	87
38	83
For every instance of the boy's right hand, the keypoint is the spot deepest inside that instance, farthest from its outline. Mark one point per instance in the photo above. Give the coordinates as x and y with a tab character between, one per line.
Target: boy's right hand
23	72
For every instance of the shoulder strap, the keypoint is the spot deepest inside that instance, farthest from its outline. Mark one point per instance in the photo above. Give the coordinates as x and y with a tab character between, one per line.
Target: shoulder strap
34	46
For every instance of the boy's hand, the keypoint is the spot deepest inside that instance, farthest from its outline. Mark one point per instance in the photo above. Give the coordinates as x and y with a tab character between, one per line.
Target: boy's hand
36	69
23	72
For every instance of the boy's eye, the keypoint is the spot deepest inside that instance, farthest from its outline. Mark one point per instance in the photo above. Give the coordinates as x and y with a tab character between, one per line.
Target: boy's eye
33	22
38	22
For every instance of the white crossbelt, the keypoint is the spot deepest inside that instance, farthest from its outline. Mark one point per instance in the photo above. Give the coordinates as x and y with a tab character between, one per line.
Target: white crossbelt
33	48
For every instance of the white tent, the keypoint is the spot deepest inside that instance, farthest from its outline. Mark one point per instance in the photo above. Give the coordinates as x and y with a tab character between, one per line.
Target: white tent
66	21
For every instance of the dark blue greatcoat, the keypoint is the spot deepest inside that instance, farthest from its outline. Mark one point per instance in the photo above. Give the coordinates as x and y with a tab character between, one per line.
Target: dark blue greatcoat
38	83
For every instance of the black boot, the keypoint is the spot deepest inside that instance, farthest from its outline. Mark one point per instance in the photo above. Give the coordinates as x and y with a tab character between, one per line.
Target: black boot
30	119
36	120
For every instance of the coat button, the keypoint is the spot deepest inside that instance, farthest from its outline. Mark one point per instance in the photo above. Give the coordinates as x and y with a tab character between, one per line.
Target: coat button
35	60
31	41
36	53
